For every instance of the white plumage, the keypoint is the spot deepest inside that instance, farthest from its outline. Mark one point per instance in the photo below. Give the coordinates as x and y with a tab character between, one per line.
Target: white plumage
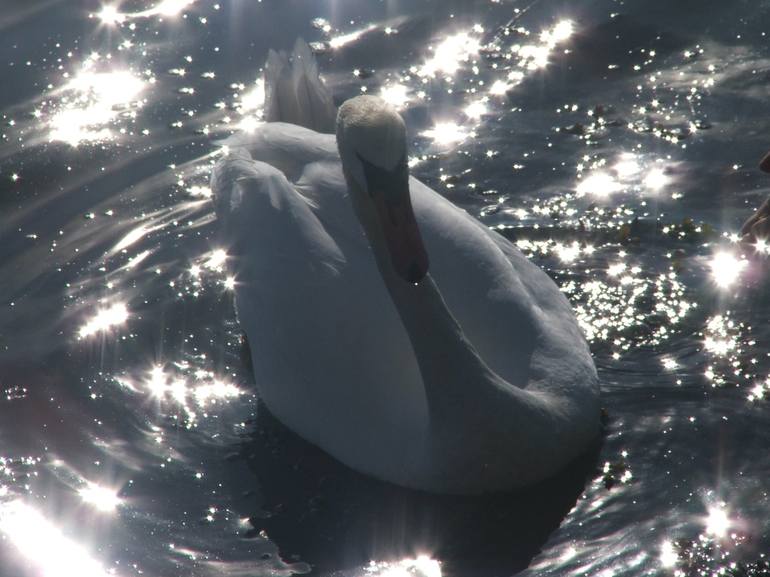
476	379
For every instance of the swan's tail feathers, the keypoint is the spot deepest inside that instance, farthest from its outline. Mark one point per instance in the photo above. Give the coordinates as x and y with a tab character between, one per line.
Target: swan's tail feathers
295	93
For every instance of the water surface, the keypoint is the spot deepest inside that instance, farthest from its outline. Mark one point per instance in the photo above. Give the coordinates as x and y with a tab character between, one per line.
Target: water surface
614	142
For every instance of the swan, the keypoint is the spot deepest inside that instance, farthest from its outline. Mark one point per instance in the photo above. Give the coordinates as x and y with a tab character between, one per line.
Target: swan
757	226
386	325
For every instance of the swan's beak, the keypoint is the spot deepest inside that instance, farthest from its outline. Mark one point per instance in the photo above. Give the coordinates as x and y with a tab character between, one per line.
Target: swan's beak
402	235
389	191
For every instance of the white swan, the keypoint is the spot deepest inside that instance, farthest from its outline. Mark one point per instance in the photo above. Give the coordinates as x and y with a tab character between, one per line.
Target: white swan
477	378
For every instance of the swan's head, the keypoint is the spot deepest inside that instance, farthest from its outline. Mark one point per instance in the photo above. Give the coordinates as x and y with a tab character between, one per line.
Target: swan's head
371	137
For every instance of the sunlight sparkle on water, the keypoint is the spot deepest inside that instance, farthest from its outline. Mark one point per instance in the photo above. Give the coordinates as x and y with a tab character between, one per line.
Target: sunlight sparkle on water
171	7
253	99
535	56
499	88
93	101
446	133
342	39
615	309
105	319
422	566
101	498
717	522
203	387
723	340
157	383
216	390
216	260
655	180
111	88
599	184
668	556
669	363
568	253
757	392
178	390
449	55
762	247
133	236
627	166
719	347
395	94
44	545
559	33
726	269
476	109
109	14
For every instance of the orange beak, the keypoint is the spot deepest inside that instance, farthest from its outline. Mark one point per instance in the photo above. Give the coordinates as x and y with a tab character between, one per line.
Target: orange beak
402	236
389	190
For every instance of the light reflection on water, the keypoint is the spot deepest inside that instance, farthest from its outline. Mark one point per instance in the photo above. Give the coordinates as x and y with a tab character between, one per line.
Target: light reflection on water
616	169
422	566
29	530
110	13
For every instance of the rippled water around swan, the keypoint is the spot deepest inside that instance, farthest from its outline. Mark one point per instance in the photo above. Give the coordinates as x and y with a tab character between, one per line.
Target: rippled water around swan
615	142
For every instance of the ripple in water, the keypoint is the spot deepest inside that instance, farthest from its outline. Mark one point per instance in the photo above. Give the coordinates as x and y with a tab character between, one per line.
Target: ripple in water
605	143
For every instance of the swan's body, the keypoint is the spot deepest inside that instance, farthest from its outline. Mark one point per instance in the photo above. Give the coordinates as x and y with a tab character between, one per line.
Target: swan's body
475	379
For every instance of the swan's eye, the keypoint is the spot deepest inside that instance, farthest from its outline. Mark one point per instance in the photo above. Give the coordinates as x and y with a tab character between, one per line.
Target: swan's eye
382	181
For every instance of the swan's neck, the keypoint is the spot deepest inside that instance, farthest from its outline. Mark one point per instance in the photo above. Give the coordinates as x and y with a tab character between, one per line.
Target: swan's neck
453	373
473	412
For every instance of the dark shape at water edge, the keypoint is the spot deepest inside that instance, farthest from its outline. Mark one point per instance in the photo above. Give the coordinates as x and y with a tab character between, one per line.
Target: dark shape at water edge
321	512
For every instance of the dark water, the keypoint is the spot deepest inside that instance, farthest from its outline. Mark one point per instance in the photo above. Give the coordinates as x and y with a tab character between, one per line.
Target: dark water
619	152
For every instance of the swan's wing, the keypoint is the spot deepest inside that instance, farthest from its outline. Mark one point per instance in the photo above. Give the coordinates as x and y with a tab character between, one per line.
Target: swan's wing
287	147
545	292
513	313
331	357
257	204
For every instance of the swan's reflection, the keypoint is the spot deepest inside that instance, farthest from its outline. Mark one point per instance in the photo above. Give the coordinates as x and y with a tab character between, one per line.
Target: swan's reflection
321	512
